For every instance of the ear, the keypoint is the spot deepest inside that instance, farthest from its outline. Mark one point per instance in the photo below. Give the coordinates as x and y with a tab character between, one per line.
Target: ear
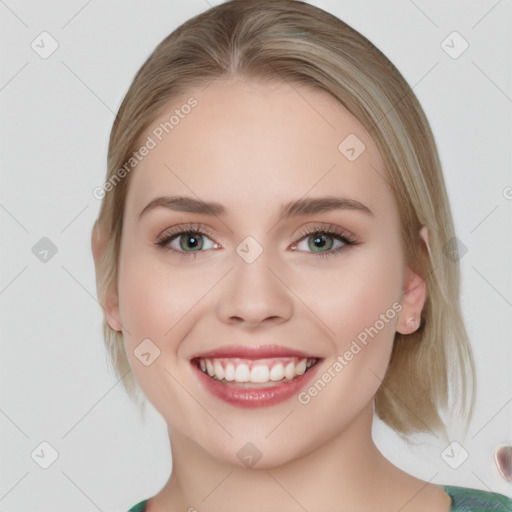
414	294
109	302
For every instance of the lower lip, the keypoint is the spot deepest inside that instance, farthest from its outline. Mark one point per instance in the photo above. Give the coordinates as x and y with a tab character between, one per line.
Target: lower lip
252	398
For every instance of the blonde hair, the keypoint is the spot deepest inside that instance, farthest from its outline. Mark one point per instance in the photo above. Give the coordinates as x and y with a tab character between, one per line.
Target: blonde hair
292	41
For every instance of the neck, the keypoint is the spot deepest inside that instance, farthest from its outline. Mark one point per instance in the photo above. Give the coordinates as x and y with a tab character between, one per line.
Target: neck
333	475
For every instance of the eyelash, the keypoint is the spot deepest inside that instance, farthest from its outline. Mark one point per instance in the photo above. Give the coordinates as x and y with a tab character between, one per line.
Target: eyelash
200	229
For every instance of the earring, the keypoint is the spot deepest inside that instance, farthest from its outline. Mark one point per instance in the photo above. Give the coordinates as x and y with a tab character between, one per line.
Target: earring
503	459
412	323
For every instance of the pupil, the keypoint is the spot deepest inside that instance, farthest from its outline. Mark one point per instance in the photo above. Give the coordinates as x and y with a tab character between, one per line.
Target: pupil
191	242
320	242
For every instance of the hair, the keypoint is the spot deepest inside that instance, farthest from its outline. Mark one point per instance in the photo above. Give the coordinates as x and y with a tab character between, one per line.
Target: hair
294	42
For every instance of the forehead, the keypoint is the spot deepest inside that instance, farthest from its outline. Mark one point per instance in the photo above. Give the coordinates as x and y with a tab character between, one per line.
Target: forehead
260	140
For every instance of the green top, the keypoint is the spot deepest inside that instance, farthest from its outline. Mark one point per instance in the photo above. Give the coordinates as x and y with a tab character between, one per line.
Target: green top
463	500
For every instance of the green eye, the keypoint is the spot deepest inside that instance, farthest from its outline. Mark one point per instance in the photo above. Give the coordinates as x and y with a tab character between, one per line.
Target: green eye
320	242
194	239
191	242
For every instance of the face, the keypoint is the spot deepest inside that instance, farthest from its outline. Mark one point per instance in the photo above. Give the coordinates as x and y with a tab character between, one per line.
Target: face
262	245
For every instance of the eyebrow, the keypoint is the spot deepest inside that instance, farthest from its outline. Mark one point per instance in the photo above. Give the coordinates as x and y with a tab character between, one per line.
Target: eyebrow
305	206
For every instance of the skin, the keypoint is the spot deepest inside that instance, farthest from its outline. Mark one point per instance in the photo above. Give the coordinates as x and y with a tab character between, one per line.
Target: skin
251	147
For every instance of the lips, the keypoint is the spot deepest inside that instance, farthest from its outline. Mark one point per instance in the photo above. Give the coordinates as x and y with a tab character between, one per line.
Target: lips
253	352
251	377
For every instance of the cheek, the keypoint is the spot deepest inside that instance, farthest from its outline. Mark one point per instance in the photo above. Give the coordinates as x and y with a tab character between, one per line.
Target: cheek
160	300
359	303
154	296
153	302
360	288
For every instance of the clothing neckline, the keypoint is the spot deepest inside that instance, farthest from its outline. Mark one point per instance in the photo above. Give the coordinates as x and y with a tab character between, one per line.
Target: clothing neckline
141	506
461	498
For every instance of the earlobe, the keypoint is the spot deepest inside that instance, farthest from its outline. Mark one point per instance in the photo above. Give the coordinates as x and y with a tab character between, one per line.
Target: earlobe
414	294
413	299
113	321
108	301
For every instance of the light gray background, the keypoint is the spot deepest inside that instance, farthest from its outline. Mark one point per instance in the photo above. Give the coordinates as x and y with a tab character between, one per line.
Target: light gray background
56	114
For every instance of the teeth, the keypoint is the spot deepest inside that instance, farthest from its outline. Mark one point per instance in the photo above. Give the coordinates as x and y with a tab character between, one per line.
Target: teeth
300	368
218	370
260	373
229	372
277	372
289	371
264	371
242	373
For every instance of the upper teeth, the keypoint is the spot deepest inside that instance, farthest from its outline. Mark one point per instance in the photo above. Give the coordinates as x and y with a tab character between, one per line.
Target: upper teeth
257	371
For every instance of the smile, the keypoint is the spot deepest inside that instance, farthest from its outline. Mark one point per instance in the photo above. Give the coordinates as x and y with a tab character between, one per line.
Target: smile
250	377
262	371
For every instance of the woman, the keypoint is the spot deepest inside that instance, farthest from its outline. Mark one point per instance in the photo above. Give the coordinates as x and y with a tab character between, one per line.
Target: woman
271	255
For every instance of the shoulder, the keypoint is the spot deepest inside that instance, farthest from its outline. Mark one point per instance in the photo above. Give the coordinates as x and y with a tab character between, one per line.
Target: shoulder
464	499
140	507
473	500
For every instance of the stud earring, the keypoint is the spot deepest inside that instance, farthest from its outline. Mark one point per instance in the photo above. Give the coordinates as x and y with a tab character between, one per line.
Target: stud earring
503	459
412	323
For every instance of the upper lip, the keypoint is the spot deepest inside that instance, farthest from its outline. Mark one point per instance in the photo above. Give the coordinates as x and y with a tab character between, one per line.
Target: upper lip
253	352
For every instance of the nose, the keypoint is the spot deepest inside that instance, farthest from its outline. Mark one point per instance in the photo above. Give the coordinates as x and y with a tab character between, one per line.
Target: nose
253	296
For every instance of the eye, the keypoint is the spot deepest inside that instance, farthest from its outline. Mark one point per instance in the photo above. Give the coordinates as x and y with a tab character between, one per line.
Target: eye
187	240
324	241
194	239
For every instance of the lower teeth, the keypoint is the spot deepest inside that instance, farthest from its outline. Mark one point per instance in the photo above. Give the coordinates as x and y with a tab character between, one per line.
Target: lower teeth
267	384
